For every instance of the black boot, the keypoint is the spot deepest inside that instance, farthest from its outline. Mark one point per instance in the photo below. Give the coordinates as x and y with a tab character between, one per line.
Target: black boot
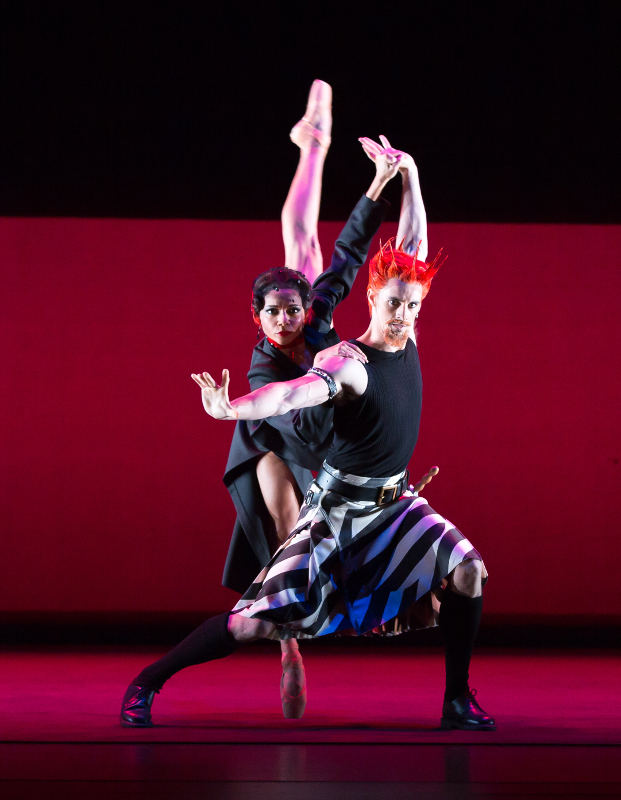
209	641
136	707
466	714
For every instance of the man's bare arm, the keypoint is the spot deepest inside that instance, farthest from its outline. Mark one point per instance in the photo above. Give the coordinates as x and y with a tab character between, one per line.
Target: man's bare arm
412	218
275	399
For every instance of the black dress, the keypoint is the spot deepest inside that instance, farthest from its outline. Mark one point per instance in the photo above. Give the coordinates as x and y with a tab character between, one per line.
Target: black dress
299	438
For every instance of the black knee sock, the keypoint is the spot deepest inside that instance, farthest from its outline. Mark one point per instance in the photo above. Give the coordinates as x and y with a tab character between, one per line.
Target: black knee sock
459	623
209	641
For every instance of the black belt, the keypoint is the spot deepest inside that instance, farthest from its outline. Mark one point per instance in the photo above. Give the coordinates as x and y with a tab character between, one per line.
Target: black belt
380	495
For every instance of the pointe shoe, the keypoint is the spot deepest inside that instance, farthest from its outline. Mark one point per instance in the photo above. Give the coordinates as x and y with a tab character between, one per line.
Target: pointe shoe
466	714
293	686
136	707
315	127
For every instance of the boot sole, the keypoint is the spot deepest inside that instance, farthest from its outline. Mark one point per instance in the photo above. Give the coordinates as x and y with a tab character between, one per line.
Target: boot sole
449	724
125	724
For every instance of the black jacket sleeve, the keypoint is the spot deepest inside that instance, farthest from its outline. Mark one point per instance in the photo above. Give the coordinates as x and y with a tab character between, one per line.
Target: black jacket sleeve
350	253
306	433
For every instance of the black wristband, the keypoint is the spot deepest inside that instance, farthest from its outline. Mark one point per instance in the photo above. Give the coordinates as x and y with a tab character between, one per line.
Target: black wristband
332	390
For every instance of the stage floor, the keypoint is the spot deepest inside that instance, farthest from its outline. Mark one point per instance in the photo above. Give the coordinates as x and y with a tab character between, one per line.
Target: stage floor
372	717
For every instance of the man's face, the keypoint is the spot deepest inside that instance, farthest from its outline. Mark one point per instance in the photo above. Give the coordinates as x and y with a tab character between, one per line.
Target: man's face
282	316
394	309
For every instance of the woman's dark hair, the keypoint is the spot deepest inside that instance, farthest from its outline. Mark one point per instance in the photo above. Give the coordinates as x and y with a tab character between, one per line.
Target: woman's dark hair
280	278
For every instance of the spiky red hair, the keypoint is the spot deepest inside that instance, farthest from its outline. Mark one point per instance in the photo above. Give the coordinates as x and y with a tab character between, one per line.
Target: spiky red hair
395	263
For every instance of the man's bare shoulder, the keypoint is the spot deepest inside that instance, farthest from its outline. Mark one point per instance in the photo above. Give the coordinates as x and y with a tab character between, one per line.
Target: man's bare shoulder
350	375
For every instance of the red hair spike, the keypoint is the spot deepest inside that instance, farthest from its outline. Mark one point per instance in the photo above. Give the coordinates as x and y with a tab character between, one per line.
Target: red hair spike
402	265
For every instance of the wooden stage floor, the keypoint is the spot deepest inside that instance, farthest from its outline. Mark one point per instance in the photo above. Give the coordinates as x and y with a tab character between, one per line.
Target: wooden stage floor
370	729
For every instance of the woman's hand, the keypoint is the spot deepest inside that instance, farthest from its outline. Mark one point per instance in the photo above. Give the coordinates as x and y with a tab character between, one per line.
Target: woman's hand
215	398
387	164
374	150
343	349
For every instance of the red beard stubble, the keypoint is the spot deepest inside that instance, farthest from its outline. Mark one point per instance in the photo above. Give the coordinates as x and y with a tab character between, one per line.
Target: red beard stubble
394	338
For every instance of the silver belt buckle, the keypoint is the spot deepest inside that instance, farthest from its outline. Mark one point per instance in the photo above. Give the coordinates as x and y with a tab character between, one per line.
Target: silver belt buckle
310	493
383	495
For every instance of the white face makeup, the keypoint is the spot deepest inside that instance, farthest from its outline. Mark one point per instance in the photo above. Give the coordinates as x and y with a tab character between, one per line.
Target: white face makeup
282	316
395	308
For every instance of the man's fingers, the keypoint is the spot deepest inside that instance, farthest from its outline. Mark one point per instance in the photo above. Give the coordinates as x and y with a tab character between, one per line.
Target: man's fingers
200	379
225	380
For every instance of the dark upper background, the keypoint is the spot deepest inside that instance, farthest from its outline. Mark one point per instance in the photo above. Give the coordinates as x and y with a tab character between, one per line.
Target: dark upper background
182	110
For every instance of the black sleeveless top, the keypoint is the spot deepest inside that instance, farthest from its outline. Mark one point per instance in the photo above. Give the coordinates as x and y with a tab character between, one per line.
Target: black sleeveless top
375	434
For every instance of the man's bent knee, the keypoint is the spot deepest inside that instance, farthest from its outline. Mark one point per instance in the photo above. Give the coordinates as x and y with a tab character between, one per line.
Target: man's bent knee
467	578
244	629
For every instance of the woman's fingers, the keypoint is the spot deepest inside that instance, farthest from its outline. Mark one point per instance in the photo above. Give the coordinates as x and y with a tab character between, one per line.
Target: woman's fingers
371	153
370	145
385	141
348	350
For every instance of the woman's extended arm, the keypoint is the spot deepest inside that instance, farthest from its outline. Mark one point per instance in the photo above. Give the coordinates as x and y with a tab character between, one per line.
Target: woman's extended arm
412	219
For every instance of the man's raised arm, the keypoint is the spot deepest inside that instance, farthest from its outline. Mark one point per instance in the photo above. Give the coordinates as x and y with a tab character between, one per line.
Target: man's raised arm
412	218
275	399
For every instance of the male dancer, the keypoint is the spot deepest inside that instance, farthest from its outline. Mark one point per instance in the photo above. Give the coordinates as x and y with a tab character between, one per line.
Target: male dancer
365	550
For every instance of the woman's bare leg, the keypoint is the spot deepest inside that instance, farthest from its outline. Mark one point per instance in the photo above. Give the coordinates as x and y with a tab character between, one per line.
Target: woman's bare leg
281	495
300	212
283	499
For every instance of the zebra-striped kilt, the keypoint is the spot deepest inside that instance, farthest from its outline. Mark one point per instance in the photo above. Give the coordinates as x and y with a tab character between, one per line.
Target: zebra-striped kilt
352	567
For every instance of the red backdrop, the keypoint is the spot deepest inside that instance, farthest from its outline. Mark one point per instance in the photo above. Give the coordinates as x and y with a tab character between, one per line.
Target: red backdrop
111	472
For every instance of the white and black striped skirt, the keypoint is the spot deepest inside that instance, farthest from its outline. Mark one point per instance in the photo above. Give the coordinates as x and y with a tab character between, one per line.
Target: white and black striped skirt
356	567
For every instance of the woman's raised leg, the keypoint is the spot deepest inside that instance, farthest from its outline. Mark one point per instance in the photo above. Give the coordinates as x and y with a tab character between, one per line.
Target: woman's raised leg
300	212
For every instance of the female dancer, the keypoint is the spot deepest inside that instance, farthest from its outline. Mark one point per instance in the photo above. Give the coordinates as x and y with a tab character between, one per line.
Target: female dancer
269	463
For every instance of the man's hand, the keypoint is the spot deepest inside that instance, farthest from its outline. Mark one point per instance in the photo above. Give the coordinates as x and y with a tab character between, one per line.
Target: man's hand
412	231
343	349
374	150
215	398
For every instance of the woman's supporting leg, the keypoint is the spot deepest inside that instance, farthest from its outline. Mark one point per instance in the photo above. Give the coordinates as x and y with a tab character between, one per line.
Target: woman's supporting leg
300	212
283	499
281	495
293	680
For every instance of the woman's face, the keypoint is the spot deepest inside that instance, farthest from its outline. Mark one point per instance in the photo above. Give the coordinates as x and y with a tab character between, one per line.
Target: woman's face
282	316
